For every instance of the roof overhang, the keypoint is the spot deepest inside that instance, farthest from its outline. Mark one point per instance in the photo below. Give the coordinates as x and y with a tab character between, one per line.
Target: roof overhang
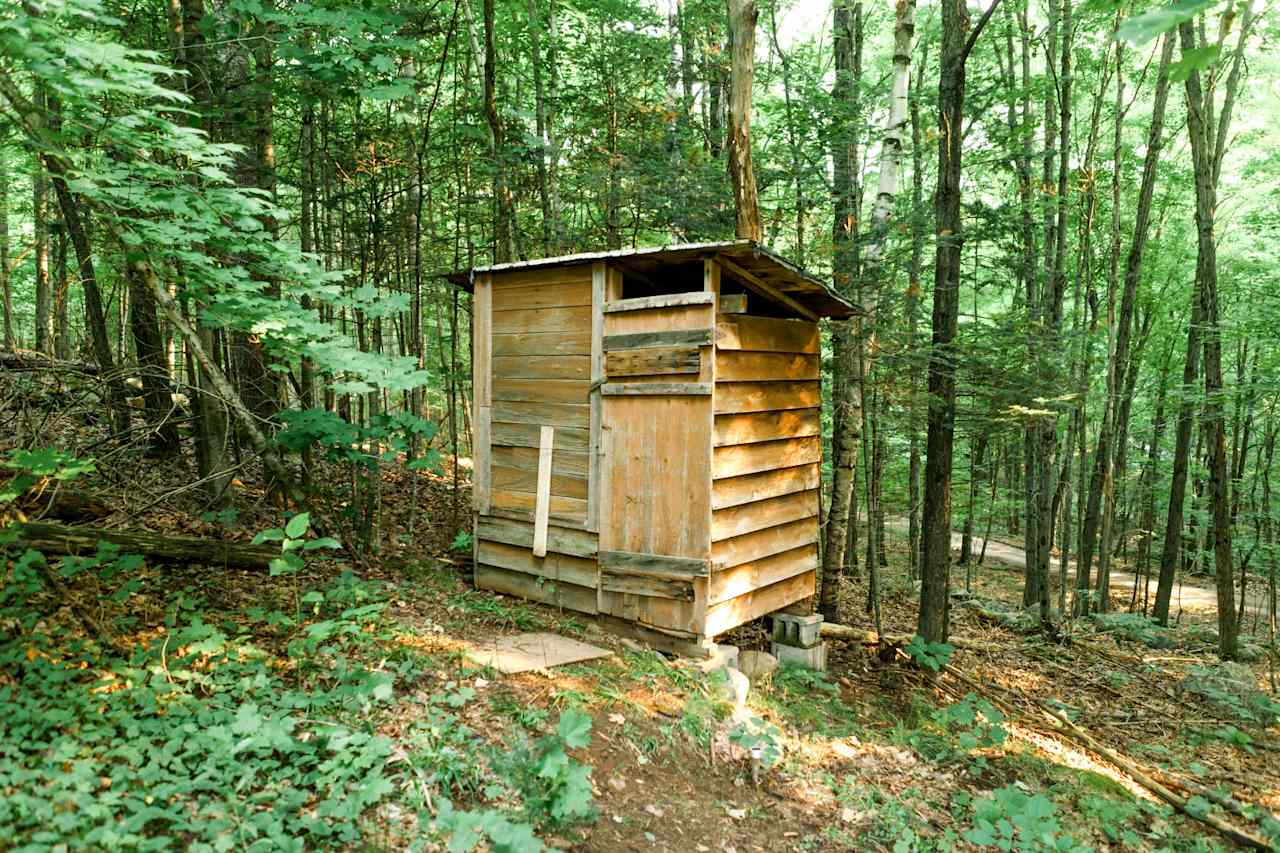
756	267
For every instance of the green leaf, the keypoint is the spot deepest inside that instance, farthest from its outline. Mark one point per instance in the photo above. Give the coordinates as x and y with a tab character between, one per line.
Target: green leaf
297	525
1141	29
574	729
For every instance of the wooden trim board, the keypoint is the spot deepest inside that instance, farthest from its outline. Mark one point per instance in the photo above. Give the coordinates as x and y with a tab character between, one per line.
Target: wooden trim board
672	338
669	300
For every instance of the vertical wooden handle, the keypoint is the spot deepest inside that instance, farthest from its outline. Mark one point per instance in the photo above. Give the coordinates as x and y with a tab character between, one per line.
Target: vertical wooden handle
542	508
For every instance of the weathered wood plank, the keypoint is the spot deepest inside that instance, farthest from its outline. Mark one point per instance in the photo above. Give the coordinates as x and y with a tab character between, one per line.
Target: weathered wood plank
599	296
542	500
653	361
660	319
561	294
672	642
759	602
745	578
766	334
762	485
738	397
754	282
547	277
749	366
739	459
525	480
631	562
553	566
652	389
559	594
672	338
562	540
542	367
668	300
753	427
482	340
541	320
569	509
542	414
746	518
656	587
733	303
552	343
565	464
529	435
773	540
542	390
481	460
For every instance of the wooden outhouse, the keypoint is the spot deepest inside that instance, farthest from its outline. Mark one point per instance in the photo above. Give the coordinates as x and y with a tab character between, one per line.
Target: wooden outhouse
647	434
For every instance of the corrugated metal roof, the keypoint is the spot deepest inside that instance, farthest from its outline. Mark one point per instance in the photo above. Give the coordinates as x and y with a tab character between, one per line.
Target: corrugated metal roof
756	260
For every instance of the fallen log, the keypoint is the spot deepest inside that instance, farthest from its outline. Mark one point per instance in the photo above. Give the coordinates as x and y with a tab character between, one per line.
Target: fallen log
64	504
35	361
61	539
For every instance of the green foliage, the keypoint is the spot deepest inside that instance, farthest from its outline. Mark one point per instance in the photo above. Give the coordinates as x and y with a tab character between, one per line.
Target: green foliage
462	542
555	789
1142	28
1011	819
762	740
932	656
32	466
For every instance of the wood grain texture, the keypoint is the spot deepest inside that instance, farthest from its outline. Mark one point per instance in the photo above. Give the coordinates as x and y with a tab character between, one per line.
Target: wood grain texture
678	337
758	602
553	566
733	303
747	518
676	589
739	397
562	540
653	361
739	459
686	317
542	414
551	343
541	390
481	462
529	434
599	296
658	389
742	579
549	278
762	543
563	294
564	464
542	496
736	491
522	505
525	480
542	367
541	320
660	565
668	300
766	334
766	426
559	594
748	366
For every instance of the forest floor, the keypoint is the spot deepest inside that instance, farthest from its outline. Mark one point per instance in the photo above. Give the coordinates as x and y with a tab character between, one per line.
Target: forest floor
359	722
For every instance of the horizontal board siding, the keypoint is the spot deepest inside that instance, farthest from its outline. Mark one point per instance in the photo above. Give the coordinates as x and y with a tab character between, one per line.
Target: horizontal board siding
752	605
735	491
739	520
659	320
525	480
557	594
657	565
652	361
563	462
753	427
739	397
541	390
550	343
566	294
548	277
744	366
672	338
541	414
762	543
535	320
573	510
766	334
542	367
526	435
554	566
739	580
656	389
677	589
562	540
736	460
670	300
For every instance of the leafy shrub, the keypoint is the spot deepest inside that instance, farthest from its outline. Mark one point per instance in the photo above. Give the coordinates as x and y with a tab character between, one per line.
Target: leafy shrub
929	655
1010	819
555	789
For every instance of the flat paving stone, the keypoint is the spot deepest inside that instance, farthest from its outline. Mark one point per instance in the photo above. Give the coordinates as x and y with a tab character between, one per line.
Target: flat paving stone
538	650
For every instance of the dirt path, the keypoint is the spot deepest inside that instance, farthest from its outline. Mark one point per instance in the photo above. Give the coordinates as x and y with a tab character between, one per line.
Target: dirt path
1185	596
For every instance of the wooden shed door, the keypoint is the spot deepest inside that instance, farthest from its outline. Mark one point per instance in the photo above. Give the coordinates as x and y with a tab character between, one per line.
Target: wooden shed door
656	424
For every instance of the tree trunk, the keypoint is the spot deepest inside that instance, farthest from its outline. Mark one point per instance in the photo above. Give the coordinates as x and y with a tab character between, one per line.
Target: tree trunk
148	347
40	228
742	176
6	269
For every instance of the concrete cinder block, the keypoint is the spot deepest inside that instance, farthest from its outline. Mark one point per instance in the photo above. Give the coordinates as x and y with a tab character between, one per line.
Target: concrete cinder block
792	630
812	657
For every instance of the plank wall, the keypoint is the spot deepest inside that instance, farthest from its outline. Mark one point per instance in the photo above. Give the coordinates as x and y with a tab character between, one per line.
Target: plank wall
767	451
539	369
